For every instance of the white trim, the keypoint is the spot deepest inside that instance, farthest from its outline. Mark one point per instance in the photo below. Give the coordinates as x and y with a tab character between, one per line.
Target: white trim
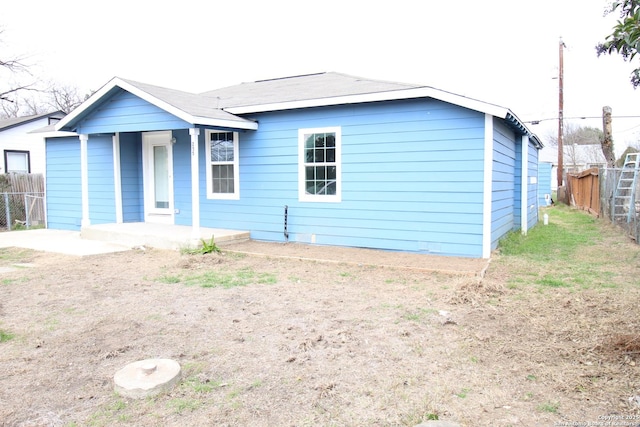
303	196
524	186
488	186
236	167
116	82
422	92
195	184
117	178
84	179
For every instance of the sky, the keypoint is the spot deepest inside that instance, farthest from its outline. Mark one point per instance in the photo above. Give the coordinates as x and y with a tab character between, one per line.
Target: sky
504	52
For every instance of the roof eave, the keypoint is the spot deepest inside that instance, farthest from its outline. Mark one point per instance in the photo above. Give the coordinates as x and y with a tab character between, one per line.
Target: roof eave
421	92
233	124
76	114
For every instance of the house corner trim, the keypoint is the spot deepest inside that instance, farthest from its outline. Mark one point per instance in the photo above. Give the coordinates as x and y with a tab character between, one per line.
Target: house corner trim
524	186
84	179
195	184
488	186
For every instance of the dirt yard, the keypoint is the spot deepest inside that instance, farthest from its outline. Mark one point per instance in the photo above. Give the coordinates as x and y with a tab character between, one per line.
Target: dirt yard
270	341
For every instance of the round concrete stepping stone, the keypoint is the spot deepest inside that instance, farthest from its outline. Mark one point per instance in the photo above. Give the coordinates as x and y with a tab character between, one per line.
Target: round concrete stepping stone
146	378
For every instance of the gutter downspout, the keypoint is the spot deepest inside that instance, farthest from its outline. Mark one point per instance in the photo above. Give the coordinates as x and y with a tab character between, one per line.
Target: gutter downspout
488	186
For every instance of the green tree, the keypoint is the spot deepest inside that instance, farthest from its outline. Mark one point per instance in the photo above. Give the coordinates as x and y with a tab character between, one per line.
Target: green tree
625	38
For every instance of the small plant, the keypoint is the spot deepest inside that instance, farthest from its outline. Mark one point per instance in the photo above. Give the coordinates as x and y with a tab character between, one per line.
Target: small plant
5	336
463	393
548	407
209	247
205	248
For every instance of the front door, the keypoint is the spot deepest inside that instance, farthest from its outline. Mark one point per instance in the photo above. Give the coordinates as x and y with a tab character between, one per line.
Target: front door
157	159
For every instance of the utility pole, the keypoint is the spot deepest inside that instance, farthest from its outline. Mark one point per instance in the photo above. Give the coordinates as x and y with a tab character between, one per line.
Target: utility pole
560	113
607	140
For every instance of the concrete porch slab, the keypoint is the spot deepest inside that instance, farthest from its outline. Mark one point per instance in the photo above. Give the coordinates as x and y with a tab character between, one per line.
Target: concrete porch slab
161	236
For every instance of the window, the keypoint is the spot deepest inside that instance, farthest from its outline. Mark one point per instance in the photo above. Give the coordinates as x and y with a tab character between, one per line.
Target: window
319	164
17	161
222	165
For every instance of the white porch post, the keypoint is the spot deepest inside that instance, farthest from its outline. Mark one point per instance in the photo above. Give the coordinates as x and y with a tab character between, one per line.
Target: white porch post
195	184
84	179
117	178
488	186
524	186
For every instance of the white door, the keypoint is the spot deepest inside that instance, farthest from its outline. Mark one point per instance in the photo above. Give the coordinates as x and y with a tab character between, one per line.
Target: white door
157	160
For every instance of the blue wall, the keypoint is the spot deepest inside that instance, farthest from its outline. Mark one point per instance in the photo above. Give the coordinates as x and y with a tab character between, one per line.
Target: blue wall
532	188
101	183
544	183
63	187
124	112
412	179
131	177
503	209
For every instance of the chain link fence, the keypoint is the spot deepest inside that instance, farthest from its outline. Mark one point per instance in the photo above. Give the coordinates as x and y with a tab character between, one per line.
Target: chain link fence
625	214
21	210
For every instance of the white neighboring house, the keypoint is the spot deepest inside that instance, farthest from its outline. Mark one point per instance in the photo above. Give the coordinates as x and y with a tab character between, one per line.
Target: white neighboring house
576	158
22	150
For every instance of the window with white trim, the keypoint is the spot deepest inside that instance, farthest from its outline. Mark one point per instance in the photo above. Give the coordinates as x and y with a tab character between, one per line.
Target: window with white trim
17	161
319	164
222	165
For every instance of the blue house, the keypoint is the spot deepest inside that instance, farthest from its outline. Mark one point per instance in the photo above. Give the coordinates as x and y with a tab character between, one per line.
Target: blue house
325	159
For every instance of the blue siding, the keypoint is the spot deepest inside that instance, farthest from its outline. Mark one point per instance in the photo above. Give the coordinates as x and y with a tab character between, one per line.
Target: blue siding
412	176
101	182
532	188
182	175
125	112
544	183
131	177
64	192
504	188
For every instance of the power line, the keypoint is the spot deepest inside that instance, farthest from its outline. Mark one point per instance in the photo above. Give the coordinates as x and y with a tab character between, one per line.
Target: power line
535	122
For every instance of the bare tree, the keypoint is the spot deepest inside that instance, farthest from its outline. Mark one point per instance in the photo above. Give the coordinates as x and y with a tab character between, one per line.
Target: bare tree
16	79
64	98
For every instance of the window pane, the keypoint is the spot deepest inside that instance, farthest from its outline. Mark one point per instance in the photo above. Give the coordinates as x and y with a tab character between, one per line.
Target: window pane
222	147
320	168
17	162
222	178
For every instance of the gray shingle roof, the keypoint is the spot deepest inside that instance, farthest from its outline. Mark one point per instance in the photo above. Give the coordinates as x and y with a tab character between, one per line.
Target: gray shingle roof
17	121
299	88
191	103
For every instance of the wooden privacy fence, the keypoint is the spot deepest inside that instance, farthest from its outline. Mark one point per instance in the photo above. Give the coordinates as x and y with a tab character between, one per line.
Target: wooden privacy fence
21	201
583	190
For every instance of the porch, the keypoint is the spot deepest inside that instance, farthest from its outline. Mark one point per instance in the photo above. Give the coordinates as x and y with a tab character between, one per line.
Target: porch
161	236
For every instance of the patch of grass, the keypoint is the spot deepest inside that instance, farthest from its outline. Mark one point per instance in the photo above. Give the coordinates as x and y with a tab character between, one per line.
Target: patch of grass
567	231
418	315
199	386
566	253
549	407
6	336
11	255
168	279
217	279
552	282
181	405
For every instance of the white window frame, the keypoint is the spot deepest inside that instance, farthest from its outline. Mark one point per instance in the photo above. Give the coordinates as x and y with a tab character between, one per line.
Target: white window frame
236	169
303	196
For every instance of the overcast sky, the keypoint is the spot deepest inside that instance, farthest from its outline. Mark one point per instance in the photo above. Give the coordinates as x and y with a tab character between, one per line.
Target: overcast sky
499	51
